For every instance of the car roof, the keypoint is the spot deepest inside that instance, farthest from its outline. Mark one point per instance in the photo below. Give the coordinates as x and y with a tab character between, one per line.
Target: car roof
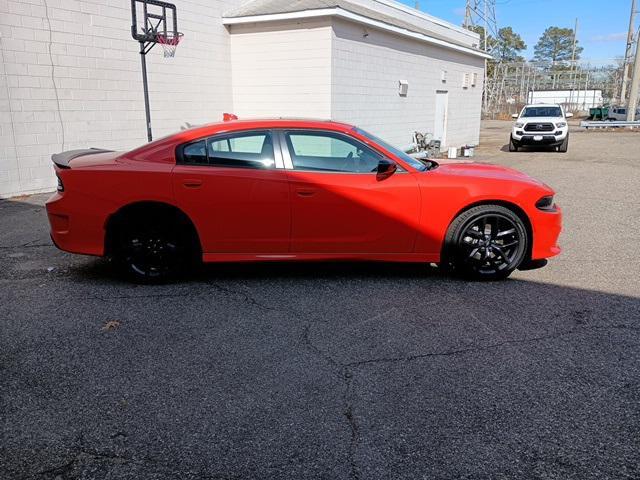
260	123
149	151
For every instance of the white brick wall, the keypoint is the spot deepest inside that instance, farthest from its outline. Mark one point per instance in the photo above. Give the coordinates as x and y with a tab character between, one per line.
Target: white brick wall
370	67
83	48
282	69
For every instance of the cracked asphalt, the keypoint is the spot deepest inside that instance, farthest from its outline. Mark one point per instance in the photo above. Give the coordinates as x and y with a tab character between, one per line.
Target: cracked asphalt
335	371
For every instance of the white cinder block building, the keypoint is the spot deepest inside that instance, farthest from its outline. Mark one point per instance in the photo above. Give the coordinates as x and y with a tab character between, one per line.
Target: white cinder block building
70	74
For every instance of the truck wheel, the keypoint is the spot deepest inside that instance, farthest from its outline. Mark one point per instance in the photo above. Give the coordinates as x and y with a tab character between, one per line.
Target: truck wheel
513	146
564	146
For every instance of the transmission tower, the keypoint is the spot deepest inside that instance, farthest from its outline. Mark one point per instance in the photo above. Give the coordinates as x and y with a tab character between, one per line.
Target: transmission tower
482	13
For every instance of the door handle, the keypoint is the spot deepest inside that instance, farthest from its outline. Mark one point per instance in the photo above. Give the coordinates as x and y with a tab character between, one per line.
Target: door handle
305	192
192	183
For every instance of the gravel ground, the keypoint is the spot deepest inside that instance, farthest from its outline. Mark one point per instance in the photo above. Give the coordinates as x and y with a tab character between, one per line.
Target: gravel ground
336	371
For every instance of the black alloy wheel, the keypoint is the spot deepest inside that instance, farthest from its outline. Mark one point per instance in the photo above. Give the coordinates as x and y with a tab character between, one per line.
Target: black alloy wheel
486	242
149	254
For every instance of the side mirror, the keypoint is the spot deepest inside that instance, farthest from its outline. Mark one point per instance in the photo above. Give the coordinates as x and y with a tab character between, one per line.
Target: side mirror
385	169
514	115
568	115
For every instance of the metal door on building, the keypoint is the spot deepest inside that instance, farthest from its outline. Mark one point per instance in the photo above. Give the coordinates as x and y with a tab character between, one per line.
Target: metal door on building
440	117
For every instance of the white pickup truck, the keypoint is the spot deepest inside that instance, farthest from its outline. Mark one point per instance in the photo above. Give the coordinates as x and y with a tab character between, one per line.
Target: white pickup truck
540	124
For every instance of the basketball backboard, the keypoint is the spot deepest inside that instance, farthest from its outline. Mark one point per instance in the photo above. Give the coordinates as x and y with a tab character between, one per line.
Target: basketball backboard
151	19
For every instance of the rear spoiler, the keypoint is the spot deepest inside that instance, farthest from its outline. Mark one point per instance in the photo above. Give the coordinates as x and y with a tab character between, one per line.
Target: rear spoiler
62	159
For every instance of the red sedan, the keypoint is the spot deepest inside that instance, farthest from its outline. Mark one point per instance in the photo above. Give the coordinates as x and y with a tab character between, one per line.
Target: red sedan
296	190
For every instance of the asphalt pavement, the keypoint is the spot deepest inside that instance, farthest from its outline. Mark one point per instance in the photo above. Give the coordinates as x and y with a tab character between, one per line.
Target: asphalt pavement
340	370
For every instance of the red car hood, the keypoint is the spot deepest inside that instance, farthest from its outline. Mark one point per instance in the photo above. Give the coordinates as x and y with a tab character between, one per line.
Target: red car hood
484	170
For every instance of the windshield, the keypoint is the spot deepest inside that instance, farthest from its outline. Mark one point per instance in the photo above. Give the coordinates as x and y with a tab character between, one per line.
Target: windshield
415	163
542	112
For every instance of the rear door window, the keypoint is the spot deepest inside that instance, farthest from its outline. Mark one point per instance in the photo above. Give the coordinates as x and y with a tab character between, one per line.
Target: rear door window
195	153
252	149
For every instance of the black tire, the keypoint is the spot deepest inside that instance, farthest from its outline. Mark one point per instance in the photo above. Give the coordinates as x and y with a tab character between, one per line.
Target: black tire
475	251
513	146
151	249
564	146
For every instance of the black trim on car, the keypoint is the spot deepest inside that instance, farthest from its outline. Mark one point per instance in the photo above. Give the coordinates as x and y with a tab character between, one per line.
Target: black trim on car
546	140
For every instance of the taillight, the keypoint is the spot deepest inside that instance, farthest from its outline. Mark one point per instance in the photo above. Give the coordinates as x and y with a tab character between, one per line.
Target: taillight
60	184
546	204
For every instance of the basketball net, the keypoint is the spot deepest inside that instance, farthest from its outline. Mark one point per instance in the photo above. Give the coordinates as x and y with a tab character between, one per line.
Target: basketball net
169	42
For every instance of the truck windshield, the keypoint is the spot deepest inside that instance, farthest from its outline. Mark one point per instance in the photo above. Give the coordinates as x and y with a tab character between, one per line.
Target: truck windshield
542	112
415	163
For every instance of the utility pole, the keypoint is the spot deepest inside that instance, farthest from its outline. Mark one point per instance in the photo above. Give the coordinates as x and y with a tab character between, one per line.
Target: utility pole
468	16
572	75
635	87
575	38
628	52
482	12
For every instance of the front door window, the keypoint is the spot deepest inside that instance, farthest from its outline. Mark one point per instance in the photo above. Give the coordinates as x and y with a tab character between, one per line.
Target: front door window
330	152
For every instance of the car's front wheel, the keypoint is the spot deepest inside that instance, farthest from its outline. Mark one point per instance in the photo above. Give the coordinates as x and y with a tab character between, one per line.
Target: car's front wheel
487	242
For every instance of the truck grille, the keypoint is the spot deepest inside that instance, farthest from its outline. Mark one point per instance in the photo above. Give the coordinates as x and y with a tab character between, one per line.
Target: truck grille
539	127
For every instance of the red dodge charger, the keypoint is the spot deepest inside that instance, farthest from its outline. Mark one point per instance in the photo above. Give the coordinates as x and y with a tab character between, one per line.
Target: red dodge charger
257	190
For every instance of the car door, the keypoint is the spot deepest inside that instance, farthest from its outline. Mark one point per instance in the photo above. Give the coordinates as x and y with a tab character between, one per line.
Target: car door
338	203
235	190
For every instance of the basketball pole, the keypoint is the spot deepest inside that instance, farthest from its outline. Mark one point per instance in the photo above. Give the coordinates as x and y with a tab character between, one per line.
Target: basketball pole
145	87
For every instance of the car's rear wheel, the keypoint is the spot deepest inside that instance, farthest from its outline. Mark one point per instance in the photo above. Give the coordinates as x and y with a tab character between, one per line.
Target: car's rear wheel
487	242
513	146
564	146
151	249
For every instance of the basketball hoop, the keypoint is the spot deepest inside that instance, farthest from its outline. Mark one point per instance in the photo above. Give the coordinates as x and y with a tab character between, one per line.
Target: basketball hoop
153	21
169	42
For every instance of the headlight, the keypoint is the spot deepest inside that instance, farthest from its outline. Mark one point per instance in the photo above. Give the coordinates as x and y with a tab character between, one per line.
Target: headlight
60	185
546	203
519	124
561	124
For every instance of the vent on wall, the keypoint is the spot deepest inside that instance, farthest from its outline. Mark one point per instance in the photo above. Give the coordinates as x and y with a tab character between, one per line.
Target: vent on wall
403	88
474	79
465	80
443	76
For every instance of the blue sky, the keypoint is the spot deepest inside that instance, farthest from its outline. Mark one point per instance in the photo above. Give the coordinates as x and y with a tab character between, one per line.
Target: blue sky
601	31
